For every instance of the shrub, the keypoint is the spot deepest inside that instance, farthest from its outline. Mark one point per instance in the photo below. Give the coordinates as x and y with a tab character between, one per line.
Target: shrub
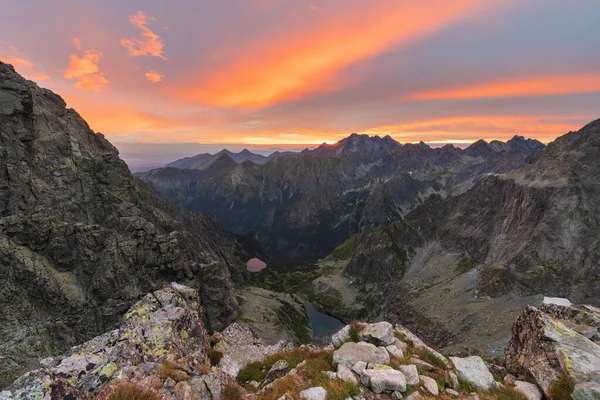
506	393
128	391
257	371
355	330
215	356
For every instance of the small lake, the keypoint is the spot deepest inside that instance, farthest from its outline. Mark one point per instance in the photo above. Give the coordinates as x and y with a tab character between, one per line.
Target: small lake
323	325
255	265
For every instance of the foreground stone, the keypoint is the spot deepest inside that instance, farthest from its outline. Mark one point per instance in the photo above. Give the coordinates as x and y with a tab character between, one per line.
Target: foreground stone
383	380
430	385
411	373
339	338
315	393
543	347
380	333
528	390
241	346
350	353
345	374
474	371
586	391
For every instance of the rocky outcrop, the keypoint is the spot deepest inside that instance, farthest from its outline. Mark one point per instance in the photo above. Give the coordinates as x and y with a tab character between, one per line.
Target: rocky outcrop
81	240
545	348
161	337
241	346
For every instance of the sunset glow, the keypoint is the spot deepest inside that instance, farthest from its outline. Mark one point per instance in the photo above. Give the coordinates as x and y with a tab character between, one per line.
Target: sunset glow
294	73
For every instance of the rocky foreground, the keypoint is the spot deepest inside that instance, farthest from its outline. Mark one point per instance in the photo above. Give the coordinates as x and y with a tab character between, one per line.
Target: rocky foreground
162	351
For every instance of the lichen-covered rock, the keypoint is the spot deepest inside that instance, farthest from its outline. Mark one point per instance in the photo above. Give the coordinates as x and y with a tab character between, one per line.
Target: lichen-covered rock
411	373
394	351
351	352
379	333
474	371
164	327
546	349
586	391
241	346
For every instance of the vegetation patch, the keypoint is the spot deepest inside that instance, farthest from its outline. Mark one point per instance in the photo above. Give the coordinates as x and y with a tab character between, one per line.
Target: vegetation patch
283	276
466	264
128	391
506	393
257	371
329	299
215	356
232	391
562	388
311	375
344	251
355	329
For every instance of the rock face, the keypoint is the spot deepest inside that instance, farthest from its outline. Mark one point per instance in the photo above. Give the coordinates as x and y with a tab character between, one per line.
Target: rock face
383	380
380	333
81	240
547	350
164	327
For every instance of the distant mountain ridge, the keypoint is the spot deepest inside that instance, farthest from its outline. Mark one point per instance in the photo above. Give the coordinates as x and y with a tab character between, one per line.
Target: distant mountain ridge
303	205
202	161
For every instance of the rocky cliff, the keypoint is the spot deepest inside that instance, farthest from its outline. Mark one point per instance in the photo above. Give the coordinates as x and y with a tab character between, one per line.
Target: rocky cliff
81	239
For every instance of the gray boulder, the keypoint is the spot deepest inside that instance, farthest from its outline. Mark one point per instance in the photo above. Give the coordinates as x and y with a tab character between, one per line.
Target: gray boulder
430	385
350	353
383	380
345	374
380	333
528	390
315	393
474	371
340	336
586	391
411	373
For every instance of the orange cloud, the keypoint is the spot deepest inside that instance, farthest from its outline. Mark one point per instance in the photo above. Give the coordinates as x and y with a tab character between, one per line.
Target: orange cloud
547	85
306	60
467	129
86	70
22	63
150	43
154	77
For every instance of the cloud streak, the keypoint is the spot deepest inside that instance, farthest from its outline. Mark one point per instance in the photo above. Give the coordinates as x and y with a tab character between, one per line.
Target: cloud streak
154	77
149	44
549	85
85	70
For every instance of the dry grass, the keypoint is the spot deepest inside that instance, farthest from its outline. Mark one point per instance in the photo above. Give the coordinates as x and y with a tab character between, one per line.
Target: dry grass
215	357
355	330
128	391
561	389
257	371
232	391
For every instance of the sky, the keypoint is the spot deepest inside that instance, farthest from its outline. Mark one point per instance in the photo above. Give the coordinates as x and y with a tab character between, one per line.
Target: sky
288	73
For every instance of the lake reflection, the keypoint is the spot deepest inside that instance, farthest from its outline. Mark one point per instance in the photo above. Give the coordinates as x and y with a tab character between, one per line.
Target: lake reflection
255	265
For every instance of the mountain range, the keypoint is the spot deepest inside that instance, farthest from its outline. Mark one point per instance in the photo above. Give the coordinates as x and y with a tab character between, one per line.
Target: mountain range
304	205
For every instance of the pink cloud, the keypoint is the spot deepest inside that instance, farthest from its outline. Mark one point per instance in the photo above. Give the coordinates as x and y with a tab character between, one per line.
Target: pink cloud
86	69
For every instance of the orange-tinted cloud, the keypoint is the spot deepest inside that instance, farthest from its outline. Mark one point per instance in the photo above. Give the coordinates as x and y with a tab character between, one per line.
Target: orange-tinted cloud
150	43
86	70
306	60
471	128
545	85
77	43
154	77
22	63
